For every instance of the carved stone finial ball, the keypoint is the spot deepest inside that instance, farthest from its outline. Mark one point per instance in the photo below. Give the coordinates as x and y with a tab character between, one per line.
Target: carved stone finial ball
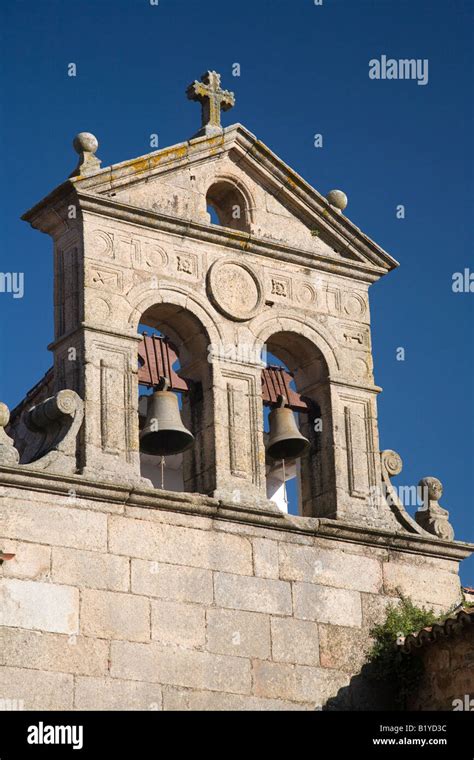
338	199
4	415
434	487
85	142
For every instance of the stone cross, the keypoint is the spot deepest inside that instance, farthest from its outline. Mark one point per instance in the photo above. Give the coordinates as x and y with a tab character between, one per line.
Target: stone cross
213	99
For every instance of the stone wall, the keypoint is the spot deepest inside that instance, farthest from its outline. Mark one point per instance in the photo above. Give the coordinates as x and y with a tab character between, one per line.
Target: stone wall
448	679
141	600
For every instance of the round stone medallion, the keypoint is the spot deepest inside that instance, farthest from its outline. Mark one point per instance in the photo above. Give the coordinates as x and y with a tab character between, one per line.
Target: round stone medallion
235	289
306	294
354	305
99	309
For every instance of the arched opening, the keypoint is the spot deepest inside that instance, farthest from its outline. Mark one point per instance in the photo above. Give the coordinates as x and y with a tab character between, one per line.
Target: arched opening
213	216
227	206
283	476
307	480
181	338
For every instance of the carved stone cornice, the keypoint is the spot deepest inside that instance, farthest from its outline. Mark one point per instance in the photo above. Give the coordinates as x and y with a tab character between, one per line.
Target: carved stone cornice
297	193
369	261
102	330
231	239
343	383
51	215
117	497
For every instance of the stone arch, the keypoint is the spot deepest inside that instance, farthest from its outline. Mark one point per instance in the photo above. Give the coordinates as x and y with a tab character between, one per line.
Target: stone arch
310	353
224	193
145	298
176	317
266	325
235	179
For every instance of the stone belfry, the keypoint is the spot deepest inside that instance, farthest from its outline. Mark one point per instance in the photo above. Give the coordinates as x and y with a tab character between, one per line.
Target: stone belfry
285	270
225	254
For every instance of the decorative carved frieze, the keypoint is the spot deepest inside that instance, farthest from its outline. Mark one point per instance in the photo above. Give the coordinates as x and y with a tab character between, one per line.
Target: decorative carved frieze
184	264
128	250
100	309
106	278
333	300
354	305
306	294
102	243
187	264
354	338
348	304
153	257
357	368
280	287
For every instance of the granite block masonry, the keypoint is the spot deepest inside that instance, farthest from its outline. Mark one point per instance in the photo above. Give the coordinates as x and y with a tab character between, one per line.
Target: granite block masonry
205	595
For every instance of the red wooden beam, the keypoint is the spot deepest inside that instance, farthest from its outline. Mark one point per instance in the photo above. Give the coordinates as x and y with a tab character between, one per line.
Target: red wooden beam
276	382
157	356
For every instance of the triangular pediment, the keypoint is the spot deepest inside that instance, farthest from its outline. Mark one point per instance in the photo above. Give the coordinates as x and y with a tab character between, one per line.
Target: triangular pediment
281	208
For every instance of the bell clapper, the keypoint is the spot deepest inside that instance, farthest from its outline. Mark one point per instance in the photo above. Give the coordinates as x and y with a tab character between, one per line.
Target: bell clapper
162	464
285	495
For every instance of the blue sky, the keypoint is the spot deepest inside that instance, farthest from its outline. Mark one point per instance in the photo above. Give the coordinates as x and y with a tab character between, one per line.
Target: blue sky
304	70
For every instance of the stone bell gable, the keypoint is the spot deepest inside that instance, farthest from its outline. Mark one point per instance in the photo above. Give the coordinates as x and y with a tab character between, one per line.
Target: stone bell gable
284	260
226	252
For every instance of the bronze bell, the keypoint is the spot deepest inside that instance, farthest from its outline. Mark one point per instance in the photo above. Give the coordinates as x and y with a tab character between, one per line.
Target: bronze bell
284	439
164	433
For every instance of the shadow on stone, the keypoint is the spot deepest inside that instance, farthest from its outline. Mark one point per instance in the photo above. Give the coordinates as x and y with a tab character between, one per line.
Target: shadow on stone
364	692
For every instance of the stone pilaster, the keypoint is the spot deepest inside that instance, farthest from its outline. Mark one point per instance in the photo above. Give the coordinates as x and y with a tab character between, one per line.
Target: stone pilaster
110	387
238	432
